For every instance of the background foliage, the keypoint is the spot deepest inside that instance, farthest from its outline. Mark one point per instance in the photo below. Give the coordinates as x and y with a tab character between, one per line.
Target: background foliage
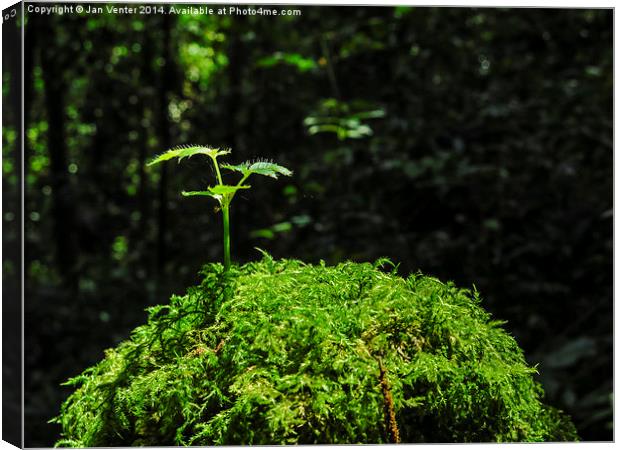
471	144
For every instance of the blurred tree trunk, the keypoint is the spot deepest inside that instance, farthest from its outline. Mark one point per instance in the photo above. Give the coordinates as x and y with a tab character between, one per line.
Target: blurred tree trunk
148	79
235	67
63	211
233	134
166	80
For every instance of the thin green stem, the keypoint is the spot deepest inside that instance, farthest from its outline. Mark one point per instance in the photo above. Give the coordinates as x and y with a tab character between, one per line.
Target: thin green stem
226	239
225	219
217	171
245	177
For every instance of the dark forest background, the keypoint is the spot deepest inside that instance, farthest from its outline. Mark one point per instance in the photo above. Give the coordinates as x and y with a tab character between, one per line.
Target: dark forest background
474	145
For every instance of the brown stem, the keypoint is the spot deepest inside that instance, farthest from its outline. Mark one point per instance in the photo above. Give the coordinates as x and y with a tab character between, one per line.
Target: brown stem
219	347
391	426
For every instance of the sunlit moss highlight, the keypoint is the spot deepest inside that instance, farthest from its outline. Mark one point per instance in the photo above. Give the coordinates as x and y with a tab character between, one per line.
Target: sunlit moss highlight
282	352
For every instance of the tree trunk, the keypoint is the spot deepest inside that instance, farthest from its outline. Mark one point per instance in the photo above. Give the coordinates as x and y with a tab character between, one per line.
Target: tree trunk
63	211
166	82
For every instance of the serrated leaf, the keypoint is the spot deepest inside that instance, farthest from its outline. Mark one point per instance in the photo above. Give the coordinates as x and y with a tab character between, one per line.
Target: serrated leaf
187	151
269	169
265	168
243	167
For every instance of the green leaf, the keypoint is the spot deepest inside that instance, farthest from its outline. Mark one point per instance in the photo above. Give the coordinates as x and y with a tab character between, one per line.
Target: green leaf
243	167
187	151
265	233
302	63
218	197
224	189
269	169
375	114
195	193
218	192
265	168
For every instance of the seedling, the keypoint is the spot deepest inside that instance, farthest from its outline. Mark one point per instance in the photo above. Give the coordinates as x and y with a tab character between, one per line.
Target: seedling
223	193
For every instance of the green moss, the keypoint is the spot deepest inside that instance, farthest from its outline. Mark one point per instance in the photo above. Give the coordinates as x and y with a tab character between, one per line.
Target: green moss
281	352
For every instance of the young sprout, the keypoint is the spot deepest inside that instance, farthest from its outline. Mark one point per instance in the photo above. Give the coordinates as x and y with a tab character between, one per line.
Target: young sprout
223	193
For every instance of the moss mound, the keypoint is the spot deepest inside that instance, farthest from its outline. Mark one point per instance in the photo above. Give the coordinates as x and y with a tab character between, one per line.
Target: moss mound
280	352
